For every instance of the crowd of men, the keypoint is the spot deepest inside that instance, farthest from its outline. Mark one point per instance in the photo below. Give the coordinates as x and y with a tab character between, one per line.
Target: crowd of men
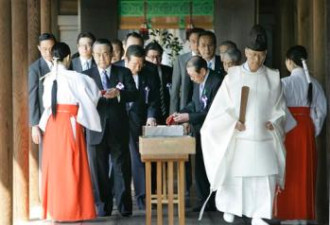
153	92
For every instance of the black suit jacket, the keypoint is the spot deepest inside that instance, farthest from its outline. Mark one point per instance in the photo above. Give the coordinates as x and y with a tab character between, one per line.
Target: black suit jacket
196	109
166	76
112	112
36	89
76	64
147	103
148	68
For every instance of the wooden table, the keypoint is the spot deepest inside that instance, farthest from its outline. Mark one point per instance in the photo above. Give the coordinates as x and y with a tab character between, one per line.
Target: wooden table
166	152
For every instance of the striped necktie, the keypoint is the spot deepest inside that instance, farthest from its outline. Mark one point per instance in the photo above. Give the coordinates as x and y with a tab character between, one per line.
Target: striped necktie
104	80
162	94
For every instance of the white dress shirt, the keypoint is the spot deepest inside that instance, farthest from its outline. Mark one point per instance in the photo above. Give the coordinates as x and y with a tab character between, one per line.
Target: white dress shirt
108	70
85	63
136	80
49	64
202	85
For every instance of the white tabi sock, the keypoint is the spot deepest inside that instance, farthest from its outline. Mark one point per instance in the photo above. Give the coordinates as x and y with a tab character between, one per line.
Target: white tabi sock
228	217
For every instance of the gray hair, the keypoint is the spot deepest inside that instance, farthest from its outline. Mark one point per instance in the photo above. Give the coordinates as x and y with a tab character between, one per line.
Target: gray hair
234	55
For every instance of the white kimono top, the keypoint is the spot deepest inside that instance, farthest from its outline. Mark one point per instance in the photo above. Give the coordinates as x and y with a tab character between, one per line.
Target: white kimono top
295	88
255	151
72	88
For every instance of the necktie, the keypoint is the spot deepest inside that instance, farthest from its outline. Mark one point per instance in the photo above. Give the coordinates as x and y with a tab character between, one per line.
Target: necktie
161	95
104	79
209	65
201	89
162	99
86	65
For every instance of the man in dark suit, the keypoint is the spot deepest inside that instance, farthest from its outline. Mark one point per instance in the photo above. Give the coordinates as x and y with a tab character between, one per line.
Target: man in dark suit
154	54
113	139
140	113
134	38
207	44
85	60
181	92
38	69
182	86
206	85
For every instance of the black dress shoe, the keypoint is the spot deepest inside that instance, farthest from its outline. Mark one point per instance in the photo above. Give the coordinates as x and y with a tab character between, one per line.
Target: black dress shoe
105	214
125	214
107	209
141	203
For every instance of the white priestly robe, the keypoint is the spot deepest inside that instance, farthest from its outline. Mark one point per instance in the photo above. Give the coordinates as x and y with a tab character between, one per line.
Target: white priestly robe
72	88
295	88
241	164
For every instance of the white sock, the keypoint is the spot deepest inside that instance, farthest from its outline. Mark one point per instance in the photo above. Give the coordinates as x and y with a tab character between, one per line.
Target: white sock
228	217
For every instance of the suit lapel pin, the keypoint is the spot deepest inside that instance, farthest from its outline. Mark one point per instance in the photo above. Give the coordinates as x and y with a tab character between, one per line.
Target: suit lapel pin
146	90
204	100
120	86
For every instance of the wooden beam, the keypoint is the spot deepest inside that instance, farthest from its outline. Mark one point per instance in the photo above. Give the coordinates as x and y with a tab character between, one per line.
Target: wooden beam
6	131
20	110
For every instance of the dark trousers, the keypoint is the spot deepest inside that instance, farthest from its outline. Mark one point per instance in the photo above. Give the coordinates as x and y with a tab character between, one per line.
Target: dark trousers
202	182
138	171
119	184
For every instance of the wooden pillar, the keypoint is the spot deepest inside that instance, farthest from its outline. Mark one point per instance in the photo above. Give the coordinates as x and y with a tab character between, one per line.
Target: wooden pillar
318	57
318	13
304	28
327	90
282	40
20	110
33	53
228	17
45	16
6	132
54	14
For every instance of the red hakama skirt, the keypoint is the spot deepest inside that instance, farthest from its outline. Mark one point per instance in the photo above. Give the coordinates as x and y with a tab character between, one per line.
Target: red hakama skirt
297	201
66	182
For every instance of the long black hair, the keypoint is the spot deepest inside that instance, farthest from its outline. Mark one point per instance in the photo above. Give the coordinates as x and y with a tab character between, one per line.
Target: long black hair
60	51
298	55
